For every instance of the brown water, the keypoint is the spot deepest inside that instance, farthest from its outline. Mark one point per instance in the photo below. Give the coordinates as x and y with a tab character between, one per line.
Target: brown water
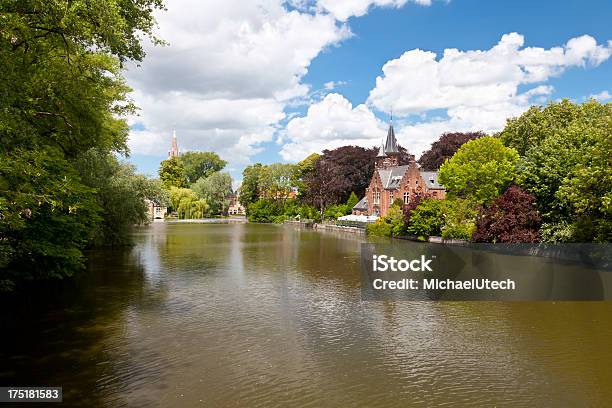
259	315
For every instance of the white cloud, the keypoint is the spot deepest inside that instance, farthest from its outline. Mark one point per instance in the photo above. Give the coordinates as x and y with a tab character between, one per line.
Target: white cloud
227	75
343	9
418	82
462	91
477	89
231	127
331	85
331	123
602	96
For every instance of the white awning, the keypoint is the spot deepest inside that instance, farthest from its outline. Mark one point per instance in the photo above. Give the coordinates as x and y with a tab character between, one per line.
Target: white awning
360	218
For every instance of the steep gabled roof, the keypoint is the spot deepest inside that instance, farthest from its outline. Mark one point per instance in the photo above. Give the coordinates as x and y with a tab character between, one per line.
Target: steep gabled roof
431	180
362	204
392	176
391	142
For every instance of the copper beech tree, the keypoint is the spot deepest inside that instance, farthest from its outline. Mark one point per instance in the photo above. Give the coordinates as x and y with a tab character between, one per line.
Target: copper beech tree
511	218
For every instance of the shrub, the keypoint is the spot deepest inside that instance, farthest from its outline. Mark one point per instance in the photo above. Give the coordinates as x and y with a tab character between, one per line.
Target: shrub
391	225
459	219
352	201
264	210
335	211
426	219
308	212
512	217
407	209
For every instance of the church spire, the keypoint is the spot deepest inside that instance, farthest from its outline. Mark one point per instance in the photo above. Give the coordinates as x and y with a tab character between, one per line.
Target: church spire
391	142
174	150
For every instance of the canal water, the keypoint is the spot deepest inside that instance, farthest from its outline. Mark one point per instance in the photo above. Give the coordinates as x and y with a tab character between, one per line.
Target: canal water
242	315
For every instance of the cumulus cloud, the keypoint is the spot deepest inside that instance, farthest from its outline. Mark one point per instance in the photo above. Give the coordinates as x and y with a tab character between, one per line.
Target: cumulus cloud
461	91
417	81
224	80
477	89
343	9
330	123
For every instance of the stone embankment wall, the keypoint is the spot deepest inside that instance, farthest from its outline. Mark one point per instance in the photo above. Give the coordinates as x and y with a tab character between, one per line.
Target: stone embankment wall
337	228
326	227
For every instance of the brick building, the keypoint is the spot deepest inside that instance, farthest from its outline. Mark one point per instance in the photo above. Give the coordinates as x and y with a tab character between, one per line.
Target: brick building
391	181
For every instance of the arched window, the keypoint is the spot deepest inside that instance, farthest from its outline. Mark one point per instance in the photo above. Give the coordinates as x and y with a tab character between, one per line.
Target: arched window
406	197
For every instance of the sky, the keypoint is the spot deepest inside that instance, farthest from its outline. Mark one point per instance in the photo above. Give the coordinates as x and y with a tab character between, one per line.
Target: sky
275	80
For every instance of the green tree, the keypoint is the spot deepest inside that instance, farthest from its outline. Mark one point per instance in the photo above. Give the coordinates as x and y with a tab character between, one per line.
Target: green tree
480	170
200	164
120	193
391	225
249	189
427	219
335	211
301	172
459	217
216	190
62	93
264	210
352	201
451	218
569	174
47	217
275	181
187	204
293	209
61	81
172	173
537	124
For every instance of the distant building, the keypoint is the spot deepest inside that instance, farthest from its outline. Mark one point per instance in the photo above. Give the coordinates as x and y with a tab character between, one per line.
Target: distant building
174	150
391	181
293	193
235	208
156	210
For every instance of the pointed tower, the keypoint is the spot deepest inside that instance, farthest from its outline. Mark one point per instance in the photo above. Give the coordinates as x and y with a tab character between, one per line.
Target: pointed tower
388	154
381	150
391	142
174	150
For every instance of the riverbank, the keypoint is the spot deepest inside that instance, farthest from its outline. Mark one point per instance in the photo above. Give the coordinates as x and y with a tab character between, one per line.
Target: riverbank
338	228
326	227
224	220
591	254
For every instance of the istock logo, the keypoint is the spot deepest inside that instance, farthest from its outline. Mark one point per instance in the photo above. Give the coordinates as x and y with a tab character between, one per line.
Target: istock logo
383	263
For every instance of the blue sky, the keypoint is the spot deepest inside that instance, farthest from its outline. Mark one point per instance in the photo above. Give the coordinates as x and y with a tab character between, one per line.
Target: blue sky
254	84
